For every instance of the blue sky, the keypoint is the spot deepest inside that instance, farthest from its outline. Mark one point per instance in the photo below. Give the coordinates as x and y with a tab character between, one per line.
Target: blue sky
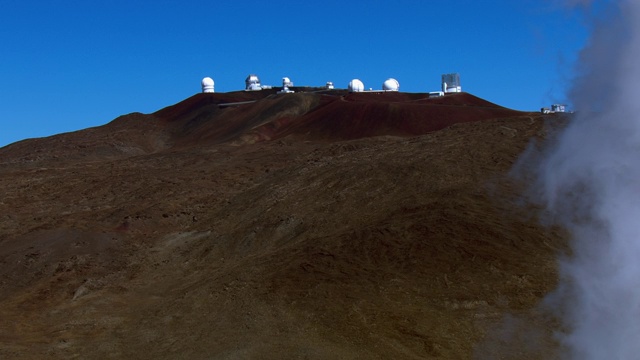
68	65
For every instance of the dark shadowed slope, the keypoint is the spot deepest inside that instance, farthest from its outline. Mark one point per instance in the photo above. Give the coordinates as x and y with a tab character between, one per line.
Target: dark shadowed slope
360	115
342	116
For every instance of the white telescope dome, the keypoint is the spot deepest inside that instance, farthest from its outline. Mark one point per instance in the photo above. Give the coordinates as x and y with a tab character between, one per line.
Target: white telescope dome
207	85
356	85
253	82
391	84
286	82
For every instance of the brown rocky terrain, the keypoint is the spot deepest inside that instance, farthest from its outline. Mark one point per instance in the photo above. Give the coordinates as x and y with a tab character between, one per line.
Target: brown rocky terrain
316	225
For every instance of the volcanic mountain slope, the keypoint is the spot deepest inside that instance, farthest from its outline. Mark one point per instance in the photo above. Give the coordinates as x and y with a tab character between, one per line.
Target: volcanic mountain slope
314	225
214	118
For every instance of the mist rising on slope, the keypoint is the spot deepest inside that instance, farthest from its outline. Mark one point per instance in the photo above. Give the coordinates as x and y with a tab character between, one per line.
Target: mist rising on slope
590	183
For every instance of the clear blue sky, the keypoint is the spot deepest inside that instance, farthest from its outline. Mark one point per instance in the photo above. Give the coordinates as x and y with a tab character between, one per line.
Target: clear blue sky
68	65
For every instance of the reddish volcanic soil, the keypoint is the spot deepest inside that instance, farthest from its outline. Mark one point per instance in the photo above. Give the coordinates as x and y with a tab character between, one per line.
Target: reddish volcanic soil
318	225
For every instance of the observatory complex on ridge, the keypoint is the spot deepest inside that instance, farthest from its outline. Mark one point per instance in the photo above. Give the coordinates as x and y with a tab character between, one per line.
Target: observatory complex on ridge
450	84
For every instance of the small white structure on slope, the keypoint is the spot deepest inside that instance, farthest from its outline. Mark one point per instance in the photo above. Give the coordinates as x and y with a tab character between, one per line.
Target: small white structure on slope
207	85
252	83
356	85
451	83
329	85
391	84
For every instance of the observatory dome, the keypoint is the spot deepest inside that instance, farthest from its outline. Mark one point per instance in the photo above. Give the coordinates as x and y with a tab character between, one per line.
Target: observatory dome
356	85
391	84
207	85
253	82
286	81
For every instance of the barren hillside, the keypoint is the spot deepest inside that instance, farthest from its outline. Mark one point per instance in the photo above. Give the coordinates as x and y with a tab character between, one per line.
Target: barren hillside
299	226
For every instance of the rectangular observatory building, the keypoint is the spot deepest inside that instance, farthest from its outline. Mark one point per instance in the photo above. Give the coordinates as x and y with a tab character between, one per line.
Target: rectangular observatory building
451	83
